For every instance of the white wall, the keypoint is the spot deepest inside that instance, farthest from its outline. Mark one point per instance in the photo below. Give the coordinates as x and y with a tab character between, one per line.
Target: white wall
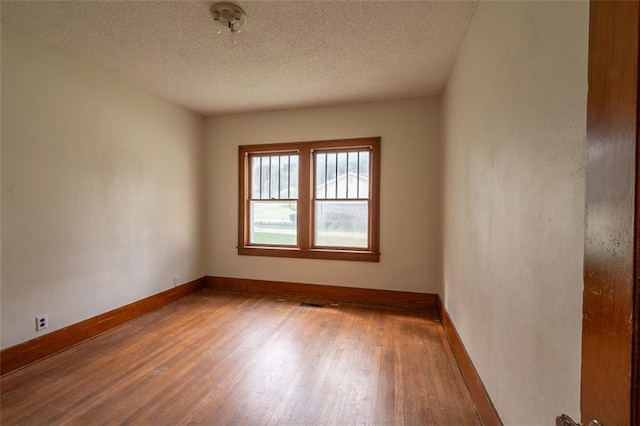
514	153
410	188
101	190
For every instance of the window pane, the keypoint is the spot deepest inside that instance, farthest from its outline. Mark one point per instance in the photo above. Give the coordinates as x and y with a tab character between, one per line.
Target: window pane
293	164
265	177
363	176
321	175
332	172
275	178
342	224
273	222
255	177
352	175
284	176
342	175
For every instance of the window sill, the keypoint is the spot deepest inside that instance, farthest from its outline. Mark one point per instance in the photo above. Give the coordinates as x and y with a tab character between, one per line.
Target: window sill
359	256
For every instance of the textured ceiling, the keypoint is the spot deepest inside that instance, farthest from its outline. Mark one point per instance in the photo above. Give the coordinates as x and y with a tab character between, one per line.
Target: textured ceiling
290	54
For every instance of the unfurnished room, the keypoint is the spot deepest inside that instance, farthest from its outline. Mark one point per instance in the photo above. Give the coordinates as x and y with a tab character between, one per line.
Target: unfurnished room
319	212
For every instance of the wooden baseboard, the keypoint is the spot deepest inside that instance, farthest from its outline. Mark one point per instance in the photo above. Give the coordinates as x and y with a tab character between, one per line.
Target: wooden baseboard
26	353
365	296
486	411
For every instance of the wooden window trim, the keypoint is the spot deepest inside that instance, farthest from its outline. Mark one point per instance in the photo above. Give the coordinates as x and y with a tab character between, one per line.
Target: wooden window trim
305	207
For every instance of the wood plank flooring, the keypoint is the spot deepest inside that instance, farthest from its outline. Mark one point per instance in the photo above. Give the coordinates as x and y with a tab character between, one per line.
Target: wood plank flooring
228	359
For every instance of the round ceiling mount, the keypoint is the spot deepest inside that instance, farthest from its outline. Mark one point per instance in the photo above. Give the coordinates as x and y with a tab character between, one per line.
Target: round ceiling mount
229	15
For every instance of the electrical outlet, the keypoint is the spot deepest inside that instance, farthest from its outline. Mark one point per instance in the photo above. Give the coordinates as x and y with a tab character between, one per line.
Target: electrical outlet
42	322
175	280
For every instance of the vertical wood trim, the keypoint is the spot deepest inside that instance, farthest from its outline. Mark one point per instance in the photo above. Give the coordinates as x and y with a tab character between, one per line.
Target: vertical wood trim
486	411
242	198
635	378
26	353
374	233
610	262
304	204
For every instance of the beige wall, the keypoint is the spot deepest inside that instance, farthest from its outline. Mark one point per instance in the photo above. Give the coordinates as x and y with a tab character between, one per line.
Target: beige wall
409	231
100	190
514	152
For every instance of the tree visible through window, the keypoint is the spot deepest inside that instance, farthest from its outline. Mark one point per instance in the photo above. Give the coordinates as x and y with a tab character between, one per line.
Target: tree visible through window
274	199
310	199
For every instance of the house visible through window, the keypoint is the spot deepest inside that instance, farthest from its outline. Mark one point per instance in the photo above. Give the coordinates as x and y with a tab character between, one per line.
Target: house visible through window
310	199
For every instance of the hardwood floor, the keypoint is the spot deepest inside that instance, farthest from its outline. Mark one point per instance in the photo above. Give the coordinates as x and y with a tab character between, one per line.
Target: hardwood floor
222	359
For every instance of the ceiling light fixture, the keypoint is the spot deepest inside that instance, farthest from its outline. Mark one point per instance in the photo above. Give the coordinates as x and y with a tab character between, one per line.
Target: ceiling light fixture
229	15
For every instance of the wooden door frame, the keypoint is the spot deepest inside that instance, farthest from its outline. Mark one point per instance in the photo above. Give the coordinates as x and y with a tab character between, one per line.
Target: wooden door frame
610	356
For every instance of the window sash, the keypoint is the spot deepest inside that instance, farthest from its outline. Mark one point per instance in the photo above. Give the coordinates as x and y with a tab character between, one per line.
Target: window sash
342	233
342	164
333	171
273	231
265	165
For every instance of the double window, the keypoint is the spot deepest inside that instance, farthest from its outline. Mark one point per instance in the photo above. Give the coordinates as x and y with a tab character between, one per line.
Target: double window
310	199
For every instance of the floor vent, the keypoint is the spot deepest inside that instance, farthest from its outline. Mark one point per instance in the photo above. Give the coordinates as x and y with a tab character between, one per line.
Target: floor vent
311	305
